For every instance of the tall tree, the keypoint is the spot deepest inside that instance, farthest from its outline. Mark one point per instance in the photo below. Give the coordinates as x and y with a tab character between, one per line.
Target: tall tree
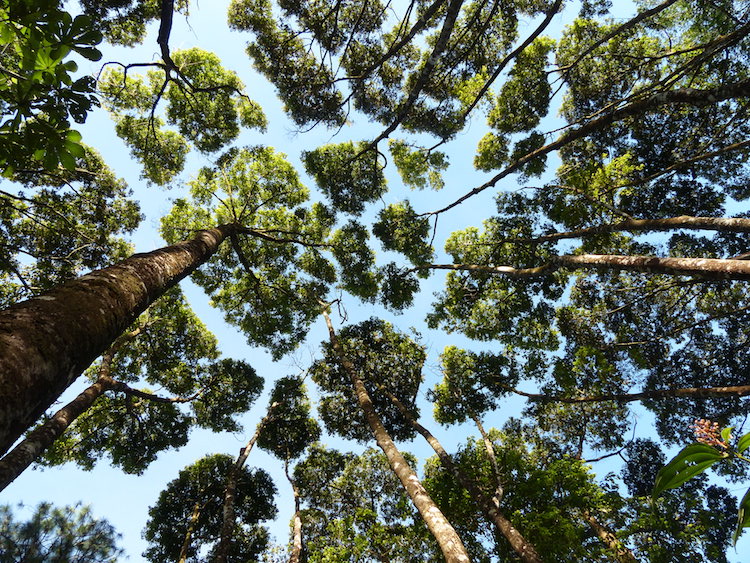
380	352
287	435
187	517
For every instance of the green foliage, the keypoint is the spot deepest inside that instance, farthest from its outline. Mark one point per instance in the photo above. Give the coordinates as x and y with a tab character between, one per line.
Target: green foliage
204	102
692	522
57	534
696	458
290	429
123	22
383	359
399	228
40	95
192	503
347	175
472	384
269	280
175	352
541	492
355	509
418	168
55	226
357	259
524	98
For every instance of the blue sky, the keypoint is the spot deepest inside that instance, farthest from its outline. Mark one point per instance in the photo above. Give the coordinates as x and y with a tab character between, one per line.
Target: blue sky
123	499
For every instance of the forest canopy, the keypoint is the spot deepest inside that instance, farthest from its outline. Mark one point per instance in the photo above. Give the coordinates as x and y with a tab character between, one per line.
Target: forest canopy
509	235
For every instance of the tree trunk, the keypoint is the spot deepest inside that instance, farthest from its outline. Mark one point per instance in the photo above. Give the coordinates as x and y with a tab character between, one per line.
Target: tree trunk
608	538
228	516
32	446
49	340
525	550
189	533
447	538
708	268
693	392
296	556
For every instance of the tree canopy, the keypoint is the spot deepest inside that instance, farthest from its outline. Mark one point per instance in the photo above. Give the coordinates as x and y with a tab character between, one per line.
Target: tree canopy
523	223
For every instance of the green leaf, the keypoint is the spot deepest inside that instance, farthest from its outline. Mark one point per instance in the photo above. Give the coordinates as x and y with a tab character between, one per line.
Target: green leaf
66	159
691	461
89	52
743	443
726	434
743	516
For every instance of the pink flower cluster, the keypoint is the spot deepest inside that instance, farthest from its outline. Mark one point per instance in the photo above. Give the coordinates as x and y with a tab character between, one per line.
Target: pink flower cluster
707	432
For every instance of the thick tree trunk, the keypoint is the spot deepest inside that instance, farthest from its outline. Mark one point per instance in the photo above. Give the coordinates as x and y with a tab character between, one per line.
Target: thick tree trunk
608	538
30	448
48	341
447	538
525	550
230	493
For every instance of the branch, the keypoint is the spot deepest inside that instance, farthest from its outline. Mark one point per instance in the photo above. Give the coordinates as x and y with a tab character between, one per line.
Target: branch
706	268
440	44
690	392
688	96
721	224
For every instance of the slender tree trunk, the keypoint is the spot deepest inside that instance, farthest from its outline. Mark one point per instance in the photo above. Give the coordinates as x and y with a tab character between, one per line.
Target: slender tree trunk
447	538
228	516
36	443
708	268
189	533
48	341
490	449
608	538
30	448
694	392
720	224
296	556
525	550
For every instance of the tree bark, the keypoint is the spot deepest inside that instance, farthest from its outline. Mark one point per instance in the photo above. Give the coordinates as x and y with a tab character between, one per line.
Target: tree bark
608	538
707	268
228	516
46	342
694	392
296	555
32	446
525	550
721	224
450	544
189	533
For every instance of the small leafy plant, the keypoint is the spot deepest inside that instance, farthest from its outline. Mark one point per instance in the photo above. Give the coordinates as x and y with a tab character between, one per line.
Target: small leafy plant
711	446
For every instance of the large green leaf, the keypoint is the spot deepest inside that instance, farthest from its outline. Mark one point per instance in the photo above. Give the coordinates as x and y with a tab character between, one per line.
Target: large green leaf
743	443
743	517
691	461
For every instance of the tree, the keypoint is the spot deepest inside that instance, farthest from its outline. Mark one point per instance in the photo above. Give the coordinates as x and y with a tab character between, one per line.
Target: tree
287	434
187	516
57	534
394	359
